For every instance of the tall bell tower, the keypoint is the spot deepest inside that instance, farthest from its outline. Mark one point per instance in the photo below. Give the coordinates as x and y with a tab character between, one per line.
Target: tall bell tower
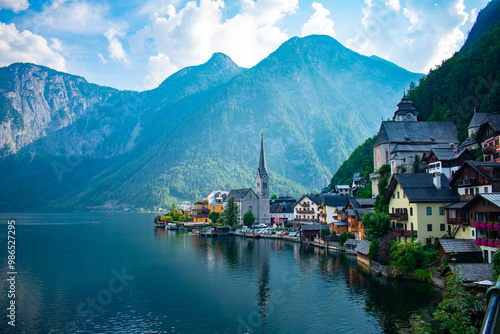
262	181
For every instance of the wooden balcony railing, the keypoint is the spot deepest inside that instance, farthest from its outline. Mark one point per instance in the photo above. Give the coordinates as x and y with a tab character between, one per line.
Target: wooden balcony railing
398	216
467	182
404	233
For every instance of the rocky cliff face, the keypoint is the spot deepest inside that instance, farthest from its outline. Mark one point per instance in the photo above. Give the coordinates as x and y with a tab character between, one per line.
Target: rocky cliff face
39	101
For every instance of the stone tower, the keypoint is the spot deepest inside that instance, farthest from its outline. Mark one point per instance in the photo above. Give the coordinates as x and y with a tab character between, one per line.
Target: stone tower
406	111
262	180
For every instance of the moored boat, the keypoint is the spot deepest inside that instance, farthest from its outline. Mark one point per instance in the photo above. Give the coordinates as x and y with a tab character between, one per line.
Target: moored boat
160	224
172	226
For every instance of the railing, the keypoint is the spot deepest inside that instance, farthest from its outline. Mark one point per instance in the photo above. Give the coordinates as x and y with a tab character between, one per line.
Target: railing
305	212
490	323
488	149
467	182
305	205
398	216
404	233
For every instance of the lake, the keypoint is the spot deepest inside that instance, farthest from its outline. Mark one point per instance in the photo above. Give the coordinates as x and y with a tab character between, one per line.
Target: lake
124	276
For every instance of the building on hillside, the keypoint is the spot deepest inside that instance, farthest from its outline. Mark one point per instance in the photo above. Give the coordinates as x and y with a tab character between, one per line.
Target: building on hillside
357	182
341	189
476	121
473	274
332	212
476	177
262	181
201	212
355	209
446	160
416	205
399	142
459	251
308	210
246	199
483	212
489	137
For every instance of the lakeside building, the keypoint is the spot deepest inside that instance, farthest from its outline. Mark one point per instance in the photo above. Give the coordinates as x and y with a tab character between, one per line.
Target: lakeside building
355	209
246	199
416	205
201	212
332	209
401	140
307	210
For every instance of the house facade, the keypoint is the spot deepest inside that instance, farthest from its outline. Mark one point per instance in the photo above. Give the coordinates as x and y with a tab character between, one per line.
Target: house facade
307	210
417	205
201	211
476	177
489	137
446	160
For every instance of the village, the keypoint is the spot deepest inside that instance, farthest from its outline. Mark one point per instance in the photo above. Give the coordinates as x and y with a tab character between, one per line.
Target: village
438	191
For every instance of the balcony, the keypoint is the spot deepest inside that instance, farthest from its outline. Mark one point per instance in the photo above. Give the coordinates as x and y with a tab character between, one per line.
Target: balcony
304	205
398	216
467	182
488	242
489	149
305	212
494	226
404	233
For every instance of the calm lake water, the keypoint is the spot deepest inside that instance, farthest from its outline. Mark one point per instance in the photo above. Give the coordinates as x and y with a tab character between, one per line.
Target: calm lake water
124	276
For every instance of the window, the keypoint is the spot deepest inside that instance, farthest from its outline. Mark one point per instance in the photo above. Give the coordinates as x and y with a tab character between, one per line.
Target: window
486	189
496	155
496	142
466	191
393	195
404	195
411	211
453	213
442	227
392	210
472	231
398	194
429	227
477	191
441	210
429	211
487	158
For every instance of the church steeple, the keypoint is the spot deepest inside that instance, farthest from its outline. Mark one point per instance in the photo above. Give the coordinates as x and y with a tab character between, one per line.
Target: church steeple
262	183
406	111
262	160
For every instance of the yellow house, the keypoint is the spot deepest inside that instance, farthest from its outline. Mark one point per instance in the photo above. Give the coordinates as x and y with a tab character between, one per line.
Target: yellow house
216	200
416	205
201	212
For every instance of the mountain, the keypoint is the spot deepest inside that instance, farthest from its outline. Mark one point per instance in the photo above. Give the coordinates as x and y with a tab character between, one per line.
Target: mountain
466	82
314	99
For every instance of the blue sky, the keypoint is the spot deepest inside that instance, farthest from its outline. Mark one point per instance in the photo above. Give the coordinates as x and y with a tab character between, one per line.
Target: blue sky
137	44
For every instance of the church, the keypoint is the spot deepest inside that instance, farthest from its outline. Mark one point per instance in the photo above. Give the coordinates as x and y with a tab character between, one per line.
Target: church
404	138
255	202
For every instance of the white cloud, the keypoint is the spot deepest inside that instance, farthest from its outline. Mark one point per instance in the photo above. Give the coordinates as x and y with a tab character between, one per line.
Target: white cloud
115	47
101	57
191	34
394	4
418	38
55	44
79	17
161	67
14	5
16	46
318	23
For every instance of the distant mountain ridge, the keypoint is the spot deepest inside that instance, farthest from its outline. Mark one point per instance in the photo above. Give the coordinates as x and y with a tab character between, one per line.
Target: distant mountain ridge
199	130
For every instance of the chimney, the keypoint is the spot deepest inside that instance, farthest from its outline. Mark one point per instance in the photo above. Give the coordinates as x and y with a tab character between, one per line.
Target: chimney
437	180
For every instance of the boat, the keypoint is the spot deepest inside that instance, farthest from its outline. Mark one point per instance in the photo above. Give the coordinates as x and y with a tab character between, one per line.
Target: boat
95	222
160	224
172	226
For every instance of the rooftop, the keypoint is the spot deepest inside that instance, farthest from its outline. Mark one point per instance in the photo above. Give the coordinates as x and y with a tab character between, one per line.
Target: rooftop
417	133
459	246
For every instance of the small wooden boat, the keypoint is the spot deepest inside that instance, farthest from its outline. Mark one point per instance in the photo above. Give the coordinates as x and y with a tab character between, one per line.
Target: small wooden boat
95	222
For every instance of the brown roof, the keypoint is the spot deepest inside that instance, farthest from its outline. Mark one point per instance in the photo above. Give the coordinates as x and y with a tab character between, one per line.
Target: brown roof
459	245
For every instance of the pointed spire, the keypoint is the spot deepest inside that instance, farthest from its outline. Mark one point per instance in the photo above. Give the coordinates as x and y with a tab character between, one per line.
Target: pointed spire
262	160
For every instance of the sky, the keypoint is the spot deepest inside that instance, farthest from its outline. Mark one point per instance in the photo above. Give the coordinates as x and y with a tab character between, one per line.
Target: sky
136	44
